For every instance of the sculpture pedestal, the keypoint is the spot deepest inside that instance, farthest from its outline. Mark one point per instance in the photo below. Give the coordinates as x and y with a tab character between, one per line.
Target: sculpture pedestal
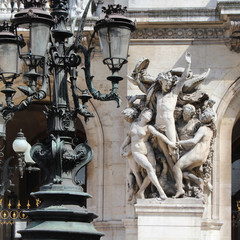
170	219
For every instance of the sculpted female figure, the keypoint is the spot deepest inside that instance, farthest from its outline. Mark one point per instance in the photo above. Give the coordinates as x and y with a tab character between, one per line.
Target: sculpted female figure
131	114
142	151
197	156
188	125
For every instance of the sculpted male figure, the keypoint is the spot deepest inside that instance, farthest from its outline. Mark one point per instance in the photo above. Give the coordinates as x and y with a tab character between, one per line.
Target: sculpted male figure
167	97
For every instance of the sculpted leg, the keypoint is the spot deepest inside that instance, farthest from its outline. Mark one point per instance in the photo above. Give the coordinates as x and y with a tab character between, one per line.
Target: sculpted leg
195	179
146	182
143	161
135	170
130	181
178	178
163	146
171	134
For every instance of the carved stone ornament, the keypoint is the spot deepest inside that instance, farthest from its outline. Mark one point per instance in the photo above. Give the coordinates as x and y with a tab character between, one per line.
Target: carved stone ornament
235	36
169	146
179	33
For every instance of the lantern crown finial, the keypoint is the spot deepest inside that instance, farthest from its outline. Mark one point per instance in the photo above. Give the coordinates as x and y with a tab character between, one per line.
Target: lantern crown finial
114	9
7	27
33	3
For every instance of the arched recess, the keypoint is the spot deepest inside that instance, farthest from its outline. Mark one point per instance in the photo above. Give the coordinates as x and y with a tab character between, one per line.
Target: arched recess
93	132
33	123
95	169
235	180
228	113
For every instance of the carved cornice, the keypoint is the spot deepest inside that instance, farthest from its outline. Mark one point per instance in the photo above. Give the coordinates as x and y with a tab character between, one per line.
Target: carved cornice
179	33
228	7
174	15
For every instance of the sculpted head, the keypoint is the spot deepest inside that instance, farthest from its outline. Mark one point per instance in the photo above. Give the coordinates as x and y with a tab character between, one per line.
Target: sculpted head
130	114
147	114
188	112
207	116
178	113
167	81
211	102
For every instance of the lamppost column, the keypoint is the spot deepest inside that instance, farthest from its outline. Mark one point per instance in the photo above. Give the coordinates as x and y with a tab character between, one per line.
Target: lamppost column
60	94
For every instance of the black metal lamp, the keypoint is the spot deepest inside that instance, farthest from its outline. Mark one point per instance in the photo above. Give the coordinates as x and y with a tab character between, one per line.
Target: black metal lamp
20	146
114	35
59	157
8	52
39	23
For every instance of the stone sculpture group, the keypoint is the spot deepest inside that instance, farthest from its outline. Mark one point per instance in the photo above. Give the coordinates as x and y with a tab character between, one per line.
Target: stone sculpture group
169	145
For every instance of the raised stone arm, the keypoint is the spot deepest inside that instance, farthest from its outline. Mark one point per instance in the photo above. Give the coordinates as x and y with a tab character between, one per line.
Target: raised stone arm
183	78
189	61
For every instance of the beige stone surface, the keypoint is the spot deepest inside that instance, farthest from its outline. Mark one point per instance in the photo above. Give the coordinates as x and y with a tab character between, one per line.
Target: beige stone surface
171	3
169	219
107	172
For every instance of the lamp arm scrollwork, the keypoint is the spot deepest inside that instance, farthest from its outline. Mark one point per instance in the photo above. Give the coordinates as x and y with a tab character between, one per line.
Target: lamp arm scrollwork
87	153
113	95
35	95
79	108
42	93
77	46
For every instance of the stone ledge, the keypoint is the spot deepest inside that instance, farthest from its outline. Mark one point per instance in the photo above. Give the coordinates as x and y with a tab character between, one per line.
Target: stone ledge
211	224
173	15
228	7
181	206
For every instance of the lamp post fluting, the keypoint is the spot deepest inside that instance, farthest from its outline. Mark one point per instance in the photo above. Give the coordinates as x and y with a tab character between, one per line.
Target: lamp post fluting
62	214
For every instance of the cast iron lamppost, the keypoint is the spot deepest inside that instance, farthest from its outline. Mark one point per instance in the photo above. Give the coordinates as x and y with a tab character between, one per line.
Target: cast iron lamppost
62	214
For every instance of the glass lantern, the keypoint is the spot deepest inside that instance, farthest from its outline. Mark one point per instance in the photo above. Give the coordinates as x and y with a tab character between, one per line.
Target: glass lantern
38	22
114	35
9	53
20	144
39	37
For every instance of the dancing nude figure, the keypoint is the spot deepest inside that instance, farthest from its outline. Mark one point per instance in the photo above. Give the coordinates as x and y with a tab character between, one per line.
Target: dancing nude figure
197	156
142	151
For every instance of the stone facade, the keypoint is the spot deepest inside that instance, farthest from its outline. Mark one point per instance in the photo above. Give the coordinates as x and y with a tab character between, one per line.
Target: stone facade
166	30
164	33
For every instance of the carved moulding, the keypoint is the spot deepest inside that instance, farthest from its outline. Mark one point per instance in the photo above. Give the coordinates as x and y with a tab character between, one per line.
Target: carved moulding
179	33
234	43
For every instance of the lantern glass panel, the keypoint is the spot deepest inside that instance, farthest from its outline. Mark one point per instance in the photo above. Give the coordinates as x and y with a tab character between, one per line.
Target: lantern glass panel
9	58
39	38
114	43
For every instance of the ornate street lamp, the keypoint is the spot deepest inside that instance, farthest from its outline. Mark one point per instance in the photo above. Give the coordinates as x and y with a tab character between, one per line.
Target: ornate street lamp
62	214
114	34
9	51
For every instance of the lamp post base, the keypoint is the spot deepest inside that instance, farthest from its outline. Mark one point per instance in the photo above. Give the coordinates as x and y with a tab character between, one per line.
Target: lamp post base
61	215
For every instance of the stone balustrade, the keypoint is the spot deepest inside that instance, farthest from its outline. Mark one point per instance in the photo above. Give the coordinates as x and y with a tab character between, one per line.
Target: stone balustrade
76	8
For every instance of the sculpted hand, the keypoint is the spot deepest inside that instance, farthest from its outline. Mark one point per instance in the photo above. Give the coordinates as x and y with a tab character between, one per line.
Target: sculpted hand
178	144
188	57
123	153
173	145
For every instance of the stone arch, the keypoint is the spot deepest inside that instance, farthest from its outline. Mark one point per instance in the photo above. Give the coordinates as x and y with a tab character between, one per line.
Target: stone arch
94	135
228	112
95	169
